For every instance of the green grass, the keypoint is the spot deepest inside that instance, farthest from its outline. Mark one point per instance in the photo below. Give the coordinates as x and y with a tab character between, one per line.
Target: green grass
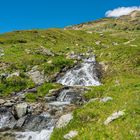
120	81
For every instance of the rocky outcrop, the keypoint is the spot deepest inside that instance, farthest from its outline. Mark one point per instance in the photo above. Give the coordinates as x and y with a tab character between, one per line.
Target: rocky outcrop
64	120
37	76
114	116
21	109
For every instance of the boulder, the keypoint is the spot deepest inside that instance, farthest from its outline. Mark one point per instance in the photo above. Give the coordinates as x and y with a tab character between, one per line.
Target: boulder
106	99
21	109
36	75
17	73
113	117
64	120
2	101
70	135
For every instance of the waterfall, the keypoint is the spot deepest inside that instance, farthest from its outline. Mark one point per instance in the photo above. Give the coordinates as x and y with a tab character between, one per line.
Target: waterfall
84	74
3	120
30	135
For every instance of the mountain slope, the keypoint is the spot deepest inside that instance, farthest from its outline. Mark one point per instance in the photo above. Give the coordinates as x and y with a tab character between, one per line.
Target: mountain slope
49	52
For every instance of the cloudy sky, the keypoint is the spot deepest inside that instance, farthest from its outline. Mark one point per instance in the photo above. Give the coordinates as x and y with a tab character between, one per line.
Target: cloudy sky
32	14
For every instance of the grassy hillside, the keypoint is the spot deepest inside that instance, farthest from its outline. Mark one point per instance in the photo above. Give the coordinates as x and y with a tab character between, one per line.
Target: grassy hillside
117	50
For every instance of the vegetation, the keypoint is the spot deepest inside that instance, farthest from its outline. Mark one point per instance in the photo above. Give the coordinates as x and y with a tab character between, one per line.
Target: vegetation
118	48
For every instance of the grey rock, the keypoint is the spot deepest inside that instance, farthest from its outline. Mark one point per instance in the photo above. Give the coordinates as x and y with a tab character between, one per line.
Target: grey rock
17	73
64	120
106	99
36	75
113	117
20	122
21	109
2	101
71	135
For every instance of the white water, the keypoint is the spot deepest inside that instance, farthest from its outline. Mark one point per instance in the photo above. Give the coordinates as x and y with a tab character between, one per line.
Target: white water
85	75
30	135
3	120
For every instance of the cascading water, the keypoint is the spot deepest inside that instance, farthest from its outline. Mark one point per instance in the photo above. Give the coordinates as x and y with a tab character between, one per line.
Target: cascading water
81	75
3	120
84	74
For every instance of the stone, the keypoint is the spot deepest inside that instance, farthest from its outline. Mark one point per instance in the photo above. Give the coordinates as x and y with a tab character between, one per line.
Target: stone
64	120
20	122
106	99
46	51
21	109
113	117
8	103
17	73
2	101
36	75
71	135
51	98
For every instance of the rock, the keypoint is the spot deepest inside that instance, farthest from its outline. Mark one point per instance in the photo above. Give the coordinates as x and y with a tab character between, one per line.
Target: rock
104	66
38	122
13	74
21	109
36	75
1	52
106	99
64	120
114	116
8	103
46	51
7	120
98	42
49	62
71	135
51	98
20	122
2	101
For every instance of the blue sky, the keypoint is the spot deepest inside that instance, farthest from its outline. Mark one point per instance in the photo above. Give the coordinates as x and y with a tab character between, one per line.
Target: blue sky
31	14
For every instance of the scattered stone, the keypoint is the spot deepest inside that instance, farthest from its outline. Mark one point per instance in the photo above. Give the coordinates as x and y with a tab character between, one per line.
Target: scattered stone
71	135
64	120
28	51
36	75
115	43
21	109
8	103
20	122
51	98
2	101
89	32
98	42
1	52
13	74
46	51
104	66
106	99
114	116
49	62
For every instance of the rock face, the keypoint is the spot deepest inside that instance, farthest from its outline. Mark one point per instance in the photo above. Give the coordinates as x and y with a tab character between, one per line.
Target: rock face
21	109
71	135
114	116
64	120
36	75
84	74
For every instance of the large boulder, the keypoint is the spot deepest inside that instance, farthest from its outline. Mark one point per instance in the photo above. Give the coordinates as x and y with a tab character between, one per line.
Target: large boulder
114	116
36	75
64	120
21	109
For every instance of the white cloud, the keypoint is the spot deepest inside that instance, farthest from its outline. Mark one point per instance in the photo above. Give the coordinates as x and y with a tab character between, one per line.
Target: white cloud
121	11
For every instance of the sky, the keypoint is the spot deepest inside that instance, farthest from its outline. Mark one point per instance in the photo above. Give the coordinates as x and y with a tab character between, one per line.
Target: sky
42	14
